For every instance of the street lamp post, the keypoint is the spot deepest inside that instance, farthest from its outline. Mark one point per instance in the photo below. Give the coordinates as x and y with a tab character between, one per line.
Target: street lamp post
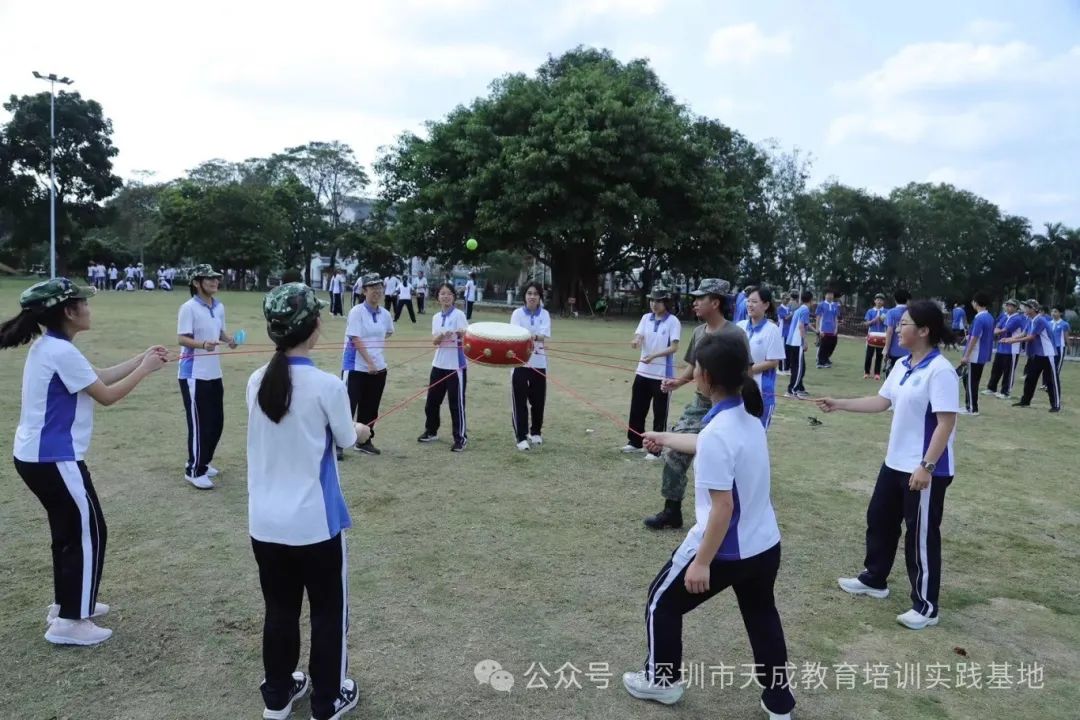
52	79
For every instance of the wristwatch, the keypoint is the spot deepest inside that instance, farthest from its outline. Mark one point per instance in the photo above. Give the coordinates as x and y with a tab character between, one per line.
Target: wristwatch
928	466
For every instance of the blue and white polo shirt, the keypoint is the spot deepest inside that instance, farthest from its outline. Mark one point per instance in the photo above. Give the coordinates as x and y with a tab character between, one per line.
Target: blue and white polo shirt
203	322
799	318
657	335
56	419
916	394
765	344
372	327
1043	344
892	320
829	312
982	333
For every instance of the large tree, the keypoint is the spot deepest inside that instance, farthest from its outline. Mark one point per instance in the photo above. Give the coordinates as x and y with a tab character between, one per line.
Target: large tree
83	162
590	166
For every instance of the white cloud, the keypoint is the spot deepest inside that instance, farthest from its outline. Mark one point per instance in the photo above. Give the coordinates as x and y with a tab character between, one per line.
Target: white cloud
958	95
745	43
983	29
573	13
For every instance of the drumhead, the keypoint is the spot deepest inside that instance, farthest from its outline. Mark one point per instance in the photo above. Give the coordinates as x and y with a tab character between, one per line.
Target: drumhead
497	331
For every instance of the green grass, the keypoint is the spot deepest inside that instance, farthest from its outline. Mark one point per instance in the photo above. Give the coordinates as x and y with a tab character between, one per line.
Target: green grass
530	557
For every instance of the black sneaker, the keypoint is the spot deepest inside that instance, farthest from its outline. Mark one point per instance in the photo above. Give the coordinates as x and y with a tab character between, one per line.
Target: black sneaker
1057	409
666	518
1021	404
368	449
346	700
300	686
459	446
427	437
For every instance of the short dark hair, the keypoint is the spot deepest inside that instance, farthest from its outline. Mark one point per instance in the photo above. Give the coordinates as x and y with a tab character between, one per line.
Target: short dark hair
806	296
901	296
1060	309
982	299
535	285
927	314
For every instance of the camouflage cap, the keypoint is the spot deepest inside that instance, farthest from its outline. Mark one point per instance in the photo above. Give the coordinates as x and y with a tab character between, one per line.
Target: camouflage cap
289	307
1031	303
48	293
712	286
204	270
1012	301
371	279
660	291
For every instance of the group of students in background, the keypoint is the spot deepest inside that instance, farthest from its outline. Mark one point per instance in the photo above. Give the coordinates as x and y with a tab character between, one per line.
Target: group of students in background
398	293
132	277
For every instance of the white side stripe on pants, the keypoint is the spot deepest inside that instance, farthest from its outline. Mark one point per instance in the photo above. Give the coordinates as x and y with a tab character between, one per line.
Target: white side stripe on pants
344	610
73	481
922	577
677	566
194	426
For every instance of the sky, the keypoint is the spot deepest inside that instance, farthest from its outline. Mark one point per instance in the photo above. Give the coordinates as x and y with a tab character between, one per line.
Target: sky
984	95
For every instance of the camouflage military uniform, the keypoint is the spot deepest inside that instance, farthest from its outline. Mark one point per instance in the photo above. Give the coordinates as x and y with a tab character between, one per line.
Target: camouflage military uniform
676	464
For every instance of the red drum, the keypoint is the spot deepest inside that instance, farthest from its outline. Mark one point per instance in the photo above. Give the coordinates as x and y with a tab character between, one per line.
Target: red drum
875	339
496	343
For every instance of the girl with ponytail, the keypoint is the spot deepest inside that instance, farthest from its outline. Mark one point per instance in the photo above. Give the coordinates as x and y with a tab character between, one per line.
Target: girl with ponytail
297	415
59	391
735	541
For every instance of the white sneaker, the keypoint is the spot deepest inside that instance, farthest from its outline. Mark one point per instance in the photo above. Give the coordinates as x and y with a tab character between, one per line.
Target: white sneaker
987	392
76	632
651	456
916	620
1001	396
536	440
212	472
54	612
628	448
775	716
855	587
640	687
965	411
523	445
202	482
346	700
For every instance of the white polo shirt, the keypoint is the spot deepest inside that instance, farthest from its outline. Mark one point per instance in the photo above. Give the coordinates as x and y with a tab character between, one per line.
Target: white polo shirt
470	291
450	354
766	343
421	286
372	327
391	285
56	419
202	322
657	334
294	493
538	323
916	393
732	454
404	290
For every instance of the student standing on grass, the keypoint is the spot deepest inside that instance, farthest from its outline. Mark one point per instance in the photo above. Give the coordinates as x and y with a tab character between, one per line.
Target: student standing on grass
404	300
297	515
783	319
337	290
795	346
421	291
1059	326
828	324
766	347
657	336
56	420
1011	324
893	351
200	328
363	363
959	323
923	392
874	322
735	541
977	351
470	295
709	300
1041	357
528	384
448	371
358	290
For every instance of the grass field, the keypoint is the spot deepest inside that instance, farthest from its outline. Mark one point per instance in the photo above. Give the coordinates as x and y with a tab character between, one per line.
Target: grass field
536	557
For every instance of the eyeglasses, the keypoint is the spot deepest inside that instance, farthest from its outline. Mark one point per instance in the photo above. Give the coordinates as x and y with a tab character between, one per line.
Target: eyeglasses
905	324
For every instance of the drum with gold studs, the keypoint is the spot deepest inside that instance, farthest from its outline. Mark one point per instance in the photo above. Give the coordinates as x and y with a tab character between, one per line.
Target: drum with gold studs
875	339
496	343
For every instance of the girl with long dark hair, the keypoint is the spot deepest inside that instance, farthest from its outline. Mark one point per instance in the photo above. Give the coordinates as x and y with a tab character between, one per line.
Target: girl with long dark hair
448	370
56	420
735	541
528	383
297	515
